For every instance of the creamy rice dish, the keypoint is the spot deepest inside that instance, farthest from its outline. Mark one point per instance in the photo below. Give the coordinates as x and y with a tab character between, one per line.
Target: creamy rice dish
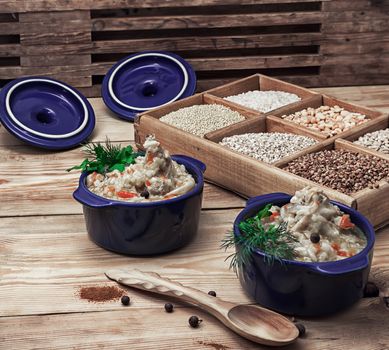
153	177
321	231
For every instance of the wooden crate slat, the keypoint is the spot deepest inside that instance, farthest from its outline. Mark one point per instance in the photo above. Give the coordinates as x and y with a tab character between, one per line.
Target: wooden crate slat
50	17
55	28
255	62
356	60
354	38
54	60
334	79
44	39
354	43
205	43
69	74
223	63
372	25
63	5
339	6
354	67
205	21
9	28
353	15
376	48
68	70
10	50
63	48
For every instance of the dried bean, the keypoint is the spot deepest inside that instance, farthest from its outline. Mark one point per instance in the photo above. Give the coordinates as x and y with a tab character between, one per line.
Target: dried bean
326	119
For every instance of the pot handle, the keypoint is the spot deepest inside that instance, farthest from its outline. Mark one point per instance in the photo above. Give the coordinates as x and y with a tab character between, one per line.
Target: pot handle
90	200
197	163
266	197
348	265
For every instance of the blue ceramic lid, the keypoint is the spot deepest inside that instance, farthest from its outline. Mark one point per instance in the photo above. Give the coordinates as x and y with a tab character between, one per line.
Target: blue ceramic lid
46	113
147	80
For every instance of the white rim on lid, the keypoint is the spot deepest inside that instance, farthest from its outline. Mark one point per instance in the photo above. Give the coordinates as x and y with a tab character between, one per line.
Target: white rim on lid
110	82
32	131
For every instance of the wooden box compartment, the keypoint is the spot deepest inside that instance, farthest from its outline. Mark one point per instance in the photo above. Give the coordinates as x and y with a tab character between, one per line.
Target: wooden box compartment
372	202
384	124
200	99
250	177
377	119
263	124
262	83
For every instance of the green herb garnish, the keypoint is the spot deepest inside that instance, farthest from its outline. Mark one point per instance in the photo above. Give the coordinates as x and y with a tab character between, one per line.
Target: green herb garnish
106	157
273	240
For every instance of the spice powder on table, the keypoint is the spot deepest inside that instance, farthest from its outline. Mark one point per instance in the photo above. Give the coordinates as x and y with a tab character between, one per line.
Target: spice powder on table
99	294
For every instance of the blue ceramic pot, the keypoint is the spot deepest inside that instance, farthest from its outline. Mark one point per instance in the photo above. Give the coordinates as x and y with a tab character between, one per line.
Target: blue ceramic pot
303	288
144	228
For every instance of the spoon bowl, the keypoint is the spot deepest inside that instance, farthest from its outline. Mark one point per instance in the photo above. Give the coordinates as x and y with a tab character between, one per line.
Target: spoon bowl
260	323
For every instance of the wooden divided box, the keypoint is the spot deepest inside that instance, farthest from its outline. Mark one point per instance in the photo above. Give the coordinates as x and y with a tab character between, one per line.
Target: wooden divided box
250	177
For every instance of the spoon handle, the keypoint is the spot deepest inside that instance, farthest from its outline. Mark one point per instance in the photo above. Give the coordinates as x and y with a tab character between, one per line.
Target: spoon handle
152	282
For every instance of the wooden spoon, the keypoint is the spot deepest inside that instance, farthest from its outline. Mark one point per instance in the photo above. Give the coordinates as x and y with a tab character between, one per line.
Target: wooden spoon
252	322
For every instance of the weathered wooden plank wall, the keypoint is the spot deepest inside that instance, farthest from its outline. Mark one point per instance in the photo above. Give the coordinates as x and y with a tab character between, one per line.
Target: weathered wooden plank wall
309	42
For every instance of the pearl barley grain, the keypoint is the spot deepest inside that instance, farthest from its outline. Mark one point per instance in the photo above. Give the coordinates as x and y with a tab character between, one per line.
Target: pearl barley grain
377	140
267	147
202	119
264	101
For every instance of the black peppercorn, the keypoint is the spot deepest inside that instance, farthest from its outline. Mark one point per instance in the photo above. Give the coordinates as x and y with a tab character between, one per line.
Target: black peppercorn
169	307
212	293
194	321
371	290
315	238
125	300
301	329
145	194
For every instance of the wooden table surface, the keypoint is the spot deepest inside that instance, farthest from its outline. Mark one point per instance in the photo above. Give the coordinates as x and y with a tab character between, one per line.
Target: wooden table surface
46	256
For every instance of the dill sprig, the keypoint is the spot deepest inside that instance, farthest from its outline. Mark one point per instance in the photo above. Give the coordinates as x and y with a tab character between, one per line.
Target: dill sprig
274	240
106	157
